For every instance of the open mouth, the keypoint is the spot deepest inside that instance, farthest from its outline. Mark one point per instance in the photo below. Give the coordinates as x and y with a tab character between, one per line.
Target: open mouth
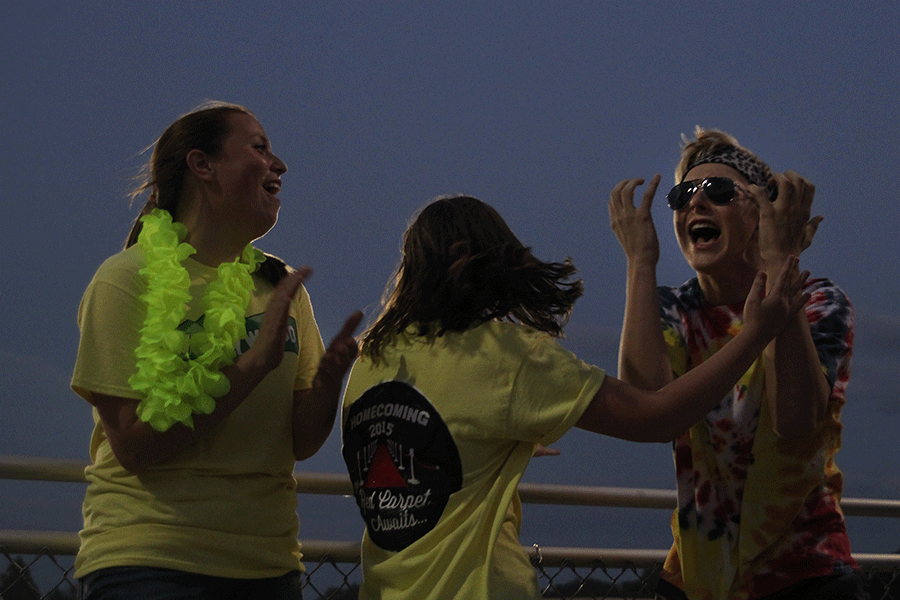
273	187
704	232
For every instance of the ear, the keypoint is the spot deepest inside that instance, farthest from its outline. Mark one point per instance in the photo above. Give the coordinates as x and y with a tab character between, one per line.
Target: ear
200	164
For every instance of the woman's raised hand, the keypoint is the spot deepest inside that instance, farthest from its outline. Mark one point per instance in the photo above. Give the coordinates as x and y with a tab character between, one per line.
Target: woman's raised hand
340	352
634	225
268	347
785	226
767	313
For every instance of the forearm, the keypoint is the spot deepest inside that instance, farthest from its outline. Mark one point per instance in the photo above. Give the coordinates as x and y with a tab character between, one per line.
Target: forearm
797	389
623	411
138	446
643	359
315	410
688	398
631	413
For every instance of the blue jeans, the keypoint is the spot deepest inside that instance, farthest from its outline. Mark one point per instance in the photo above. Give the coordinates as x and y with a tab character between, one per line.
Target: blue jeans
150	583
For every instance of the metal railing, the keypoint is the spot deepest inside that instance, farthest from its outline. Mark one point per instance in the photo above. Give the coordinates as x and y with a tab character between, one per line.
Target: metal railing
333	569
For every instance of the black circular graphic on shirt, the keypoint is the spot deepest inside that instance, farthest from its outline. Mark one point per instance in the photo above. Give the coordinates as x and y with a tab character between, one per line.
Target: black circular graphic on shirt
402	461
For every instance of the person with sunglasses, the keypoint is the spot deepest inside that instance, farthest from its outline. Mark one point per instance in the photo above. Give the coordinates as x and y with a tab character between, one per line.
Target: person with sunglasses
758	512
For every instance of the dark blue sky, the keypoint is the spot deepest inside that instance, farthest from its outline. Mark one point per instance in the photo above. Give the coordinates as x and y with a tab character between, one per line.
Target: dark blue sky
538	108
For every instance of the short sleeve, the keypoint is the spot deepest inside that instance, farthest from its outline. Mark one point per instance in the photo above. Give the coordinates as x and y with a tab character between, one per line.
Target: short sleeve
673	327
310	341
551	391
109	318
830	317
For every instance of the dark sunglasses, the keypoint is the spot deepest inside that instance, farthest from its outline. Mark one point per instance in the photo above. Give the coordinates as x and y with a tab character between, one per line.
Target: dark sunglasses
719	190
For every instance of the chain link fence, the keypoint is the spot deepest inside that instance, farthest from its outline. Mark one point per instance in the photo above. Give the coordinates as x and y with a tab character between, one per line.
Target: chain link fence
40	564
45	576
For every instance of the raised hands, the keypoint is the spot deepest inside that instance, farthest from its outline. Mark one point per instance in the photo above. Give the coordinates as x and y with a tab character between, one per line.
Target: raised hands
785	226
269	344
315	408
340	352
767	313
268	347
634	225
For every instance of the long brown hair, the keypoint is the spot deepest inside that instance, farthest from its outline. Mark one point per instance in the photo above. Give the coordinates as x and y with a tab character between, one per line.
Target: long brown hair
204	128
461	266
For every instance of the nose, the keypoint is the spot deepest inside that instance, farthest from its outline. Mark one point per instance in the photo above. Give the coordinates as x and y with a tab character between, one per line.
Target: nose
699	199
278	166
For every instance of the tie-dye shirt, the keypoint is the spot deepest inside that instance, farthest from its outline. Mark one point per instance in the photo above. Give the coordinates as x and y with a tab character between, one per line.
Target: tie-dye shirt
756	512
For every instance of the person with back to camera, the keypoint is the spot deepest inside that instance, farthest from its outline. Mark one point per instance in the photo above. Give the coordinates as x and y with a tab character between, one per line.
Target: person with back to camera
208	379
458	381
758	491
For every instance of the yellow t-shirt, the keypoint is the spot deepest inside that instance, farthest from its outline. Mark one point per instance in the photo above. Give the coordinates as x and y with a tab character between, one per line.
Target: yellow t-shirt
436	439
228	506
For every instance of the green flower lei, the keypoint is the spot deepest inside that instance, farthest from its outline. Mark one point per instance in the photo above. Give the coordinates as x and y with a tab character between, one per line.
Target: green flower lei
176	384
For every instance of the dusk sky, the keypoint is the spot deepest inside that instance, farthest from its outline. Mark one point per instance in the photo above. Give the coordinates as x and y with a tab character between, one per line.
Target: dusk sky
537	108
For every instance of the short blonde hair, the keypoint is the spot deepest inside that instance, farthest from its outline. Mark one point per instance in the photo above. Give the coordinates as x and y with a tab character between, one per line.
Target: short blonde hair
715	146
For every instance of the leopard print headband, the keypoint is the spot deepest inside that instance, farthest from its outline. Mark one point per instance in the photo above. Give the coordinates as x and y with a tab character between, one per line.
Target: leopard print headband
748	165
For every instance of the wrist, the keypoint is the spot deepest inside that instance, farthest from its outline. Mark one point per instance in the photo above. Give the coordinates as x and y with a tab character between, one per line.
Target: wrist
773	260
754	337
248	370
641	266
326	383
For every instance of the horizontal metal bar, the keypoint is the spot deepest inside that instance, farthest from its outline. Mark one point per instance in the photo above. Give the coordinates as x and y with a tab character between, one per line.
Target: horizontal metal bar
542	493
56	469
42	469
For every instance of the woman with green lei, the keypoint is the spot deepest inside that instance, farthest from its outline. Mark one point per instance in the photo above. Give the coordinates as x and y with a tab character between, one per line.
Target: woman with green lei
208	379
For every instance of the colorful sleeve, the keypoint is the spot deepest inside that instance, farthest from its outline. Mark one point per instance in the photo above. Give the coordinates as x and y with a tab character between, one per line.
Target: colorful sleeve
830	317
673	330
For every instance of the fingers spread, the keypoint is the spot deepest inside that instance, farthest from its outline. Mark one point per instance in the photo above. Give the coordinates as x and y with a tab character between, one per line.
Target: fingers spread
759	197
758	289
621	198
792	186
351	324
624	190
617	191
650	192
